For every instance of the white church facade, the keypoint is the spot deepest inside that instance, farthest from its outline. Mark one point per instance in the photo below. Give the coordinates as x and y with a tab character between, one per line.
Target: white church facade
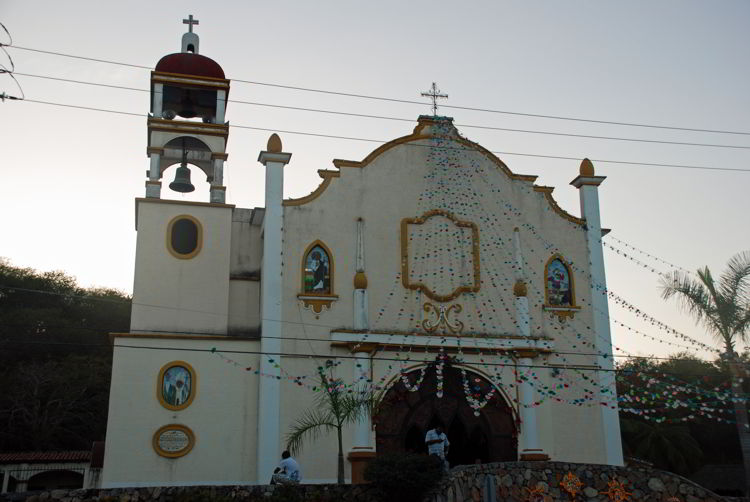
427	269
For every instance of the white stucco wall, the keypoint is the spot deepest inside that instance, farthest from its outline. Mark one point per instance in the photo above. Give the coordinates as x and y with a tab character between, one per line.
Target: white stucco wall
175	295
221	415
400	183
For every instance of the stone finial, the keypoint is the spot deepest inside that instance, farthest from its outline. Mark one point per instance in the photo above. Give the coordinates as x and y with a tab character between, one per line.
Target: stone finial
360	280
587	168
274	144
519	288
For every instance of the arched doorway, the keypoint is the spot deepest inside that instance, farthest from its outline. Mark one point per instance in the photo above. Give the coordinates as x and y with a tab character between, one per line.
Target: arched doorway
405	417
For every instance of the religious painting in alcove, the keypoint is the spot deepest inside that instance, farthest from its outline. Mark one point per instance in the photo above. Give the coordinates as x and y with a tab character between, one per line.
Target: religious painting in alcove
559	291
409	409
317	276
176	385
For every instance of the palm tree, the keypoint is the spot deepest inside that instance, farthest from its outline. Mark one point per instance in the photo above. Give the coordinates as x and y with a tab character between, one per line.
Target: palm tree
335	407
669	447
723	307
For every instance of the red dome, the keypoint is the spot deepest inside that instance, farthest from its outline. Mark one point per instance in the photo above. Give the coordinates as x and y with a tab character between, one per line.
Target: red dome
187	63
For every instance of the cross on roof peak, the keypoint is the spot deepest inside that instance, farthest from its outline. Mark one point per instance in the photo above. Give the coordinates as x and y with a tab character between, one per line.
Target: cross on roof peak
190	22
434	94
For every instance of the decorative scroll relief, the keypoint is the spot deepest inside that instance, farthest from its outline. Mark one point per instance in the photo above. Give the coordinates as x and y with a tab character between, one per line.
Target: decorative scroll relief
441	313
440	255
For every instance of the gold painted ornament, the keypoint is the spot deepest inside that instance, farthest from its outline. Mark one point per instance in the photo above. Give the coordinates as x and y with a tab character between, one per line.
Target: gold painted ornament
571	484
442	312
536	494
617	492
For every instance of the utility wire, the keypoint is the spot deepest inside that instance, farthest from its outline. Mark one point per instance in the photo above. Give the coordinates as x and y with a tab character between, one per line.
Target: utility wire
369	140
406	101
123	302
9	72
627	371
466	340
401	119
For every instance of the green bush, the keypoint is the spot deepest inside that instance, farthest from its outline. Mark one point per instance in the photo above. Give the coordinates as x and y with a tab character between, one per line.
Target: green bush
398	477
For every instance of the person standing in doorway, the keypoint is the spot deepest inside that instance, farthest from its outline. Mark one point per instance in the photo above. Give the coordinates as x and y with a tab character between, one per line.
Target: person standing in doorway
438	444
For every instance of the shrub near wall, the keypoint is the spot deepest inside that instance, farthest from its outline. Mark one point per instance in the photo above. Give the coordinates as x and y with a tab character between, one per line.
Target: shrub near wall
540	481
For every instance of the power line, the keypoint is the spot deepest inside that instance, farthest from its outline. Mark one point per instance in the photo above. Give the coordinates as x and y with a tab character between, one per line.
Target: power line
344	356
122	302
401	119
369	140
466	344
406	101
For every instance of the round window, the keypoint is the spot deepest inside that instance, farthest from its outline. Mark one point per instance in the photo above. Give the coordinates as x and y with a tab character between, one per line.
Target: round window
184	237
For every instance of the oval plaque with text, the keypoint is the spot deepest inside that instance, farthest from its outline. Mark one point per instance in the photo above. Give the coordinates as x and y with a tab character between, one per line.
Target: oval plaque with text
173	441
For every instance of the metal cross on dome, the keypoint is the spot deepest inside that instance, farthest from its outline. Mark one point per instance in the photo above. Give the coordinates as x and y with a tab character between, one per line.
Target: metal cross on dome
434	94
190	22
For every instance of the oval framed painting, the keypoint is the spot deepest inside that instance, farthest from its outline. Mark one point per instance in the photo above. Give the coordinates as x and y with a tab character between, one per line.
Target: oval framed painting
173	440
176	385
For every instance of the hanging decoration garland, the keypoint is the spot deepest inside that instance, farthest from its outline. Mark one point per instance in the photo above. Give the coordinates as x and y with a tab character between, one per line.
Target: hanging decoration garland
475	399
447	185
417	384
610	236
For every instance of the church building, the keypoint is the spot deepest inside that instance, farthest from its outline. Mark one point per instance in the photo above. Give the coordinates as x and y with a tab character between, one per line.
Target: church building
427	270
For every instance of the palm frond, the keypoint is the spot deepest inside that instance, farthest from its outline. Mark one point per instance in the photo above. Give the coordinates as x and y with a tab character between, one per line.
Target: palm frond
742	327
734	280
310	425
692	296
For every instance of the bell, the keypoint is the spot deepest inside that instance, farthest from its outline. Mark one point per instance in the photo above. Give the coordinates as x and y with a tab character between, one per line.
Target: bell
181	181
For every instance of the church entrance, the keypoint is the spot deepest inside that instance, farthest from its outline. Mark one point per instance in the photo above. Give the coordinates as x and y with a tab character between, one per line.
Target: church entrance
406	416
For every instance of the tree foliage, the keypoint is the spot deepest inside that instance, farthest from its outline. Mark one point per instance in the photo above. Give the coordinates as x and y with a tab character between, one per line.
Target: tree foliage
335	407
671	391
55	358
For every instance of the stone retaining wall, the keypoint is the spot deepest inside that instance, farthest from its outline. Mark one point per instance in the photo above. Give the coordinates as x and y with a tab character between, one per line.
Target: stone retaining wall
504	481
257	493
540	481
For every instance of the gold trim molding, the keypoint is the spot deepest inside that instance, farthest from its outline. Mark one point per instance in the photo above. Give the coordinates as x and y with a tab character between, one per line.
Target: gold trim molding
547	191
418	286
199	237
160	383
419	134
327	176
317	302
561	311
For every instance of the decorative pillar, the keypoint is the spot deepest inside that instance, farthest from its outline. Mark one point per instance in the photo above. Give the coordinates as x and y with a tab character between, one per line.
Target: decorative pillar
529	437
362	450
587	184
153	185
158	100
218	190
361	321
6	480
221	105
529	427
271	297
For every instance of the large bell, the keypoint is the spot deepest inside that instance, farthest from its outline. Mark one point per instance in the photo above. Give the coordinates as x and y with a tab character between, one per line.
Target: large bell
181	181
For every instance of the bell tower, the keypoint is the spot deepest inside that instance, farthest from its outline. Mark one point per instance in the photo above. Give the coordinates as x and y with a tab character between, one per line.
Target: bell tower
187	121
182	267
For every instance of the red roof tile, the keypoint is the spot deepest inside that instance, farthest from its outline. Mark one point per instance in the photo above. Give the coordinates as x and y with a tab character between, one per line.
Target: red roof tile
44	456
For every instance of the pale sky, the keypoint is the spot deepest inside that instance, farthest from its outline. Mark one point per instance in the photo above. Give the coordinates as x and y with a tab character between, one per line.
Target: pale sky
69	177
